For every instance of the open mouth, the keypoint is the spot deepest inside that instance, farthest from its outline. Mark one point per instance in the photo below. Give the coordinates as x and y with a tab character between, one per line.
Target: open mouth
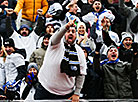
24	34
113	56
127	44
70	37
8	51
81	32
97	7
46	42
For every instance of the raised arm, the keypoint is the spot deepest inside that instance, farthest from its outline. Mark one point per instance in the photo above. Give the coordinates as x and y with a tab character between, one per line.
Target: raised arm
96	60
59	34
40	23
9	27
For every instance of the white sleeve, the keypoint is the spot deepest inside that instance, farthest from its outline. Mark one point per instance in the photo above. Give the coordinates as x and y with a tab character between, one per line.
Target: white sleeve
19	60
88	18
2	76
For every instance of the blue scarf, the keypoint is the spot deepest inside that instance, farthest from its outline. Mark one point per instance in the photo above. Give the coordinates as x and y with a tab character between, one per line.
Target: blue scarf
97	14
106	61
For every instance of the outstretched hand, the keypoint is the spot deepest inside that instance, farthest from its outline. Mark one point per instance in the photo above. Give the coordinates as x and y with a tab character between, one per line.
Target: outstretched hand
74	98
70	24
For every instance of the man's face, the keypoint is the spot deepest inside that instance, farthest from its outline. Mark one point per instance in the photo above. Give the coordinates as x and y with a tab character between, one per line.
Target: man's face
127	43
81	29
33	70
24	32
46	41
5	2
112	54
97	6
75	8
70	35
90	1
9	49
49	29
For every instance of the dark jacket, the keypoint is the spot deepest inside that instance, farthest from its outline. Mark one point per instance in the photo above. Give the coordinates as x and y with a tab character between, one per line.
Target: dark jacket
85	7
116	78
134	24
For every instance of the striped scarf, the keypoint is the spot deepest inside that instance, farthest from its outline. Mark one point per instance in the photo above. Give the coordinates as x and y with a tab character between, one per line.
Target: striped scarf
70	63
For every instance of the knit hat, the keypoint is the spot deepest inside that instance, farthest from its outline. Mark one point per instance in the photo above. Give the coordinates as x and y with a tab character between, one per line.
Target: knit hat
1	1
111	46
24	26
81	23
32	65
126	35
9	42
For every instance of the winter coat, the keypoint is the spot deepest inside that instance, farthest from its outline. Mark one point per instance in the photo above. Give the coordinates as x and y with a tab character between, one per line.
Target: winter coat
116	78
29	8
128	12
38	56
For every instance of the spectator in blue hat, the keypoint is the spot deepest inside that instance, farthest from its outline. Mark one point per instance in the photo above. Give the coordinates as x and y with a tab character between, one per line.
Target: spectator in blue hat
30	82
25	38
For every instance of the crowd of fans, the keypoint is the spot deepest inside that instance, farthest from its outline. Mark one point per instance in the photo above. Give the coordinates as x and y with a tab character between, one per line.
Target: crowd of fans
106	31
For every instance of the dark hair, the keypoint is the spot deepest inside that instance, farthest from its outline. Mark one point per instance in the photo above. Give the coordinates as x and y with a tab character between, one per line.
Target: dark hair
49	25
96	0
47	36
101	4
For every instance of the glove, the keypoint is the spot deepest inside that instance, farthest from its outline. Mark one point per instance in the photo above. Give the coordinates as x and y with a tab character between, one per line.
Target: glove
31	79
98	46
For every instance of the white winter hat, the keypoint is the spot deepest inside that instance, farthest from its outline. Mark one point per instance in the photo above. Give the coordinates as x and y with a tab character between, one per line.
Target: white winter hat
126	35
